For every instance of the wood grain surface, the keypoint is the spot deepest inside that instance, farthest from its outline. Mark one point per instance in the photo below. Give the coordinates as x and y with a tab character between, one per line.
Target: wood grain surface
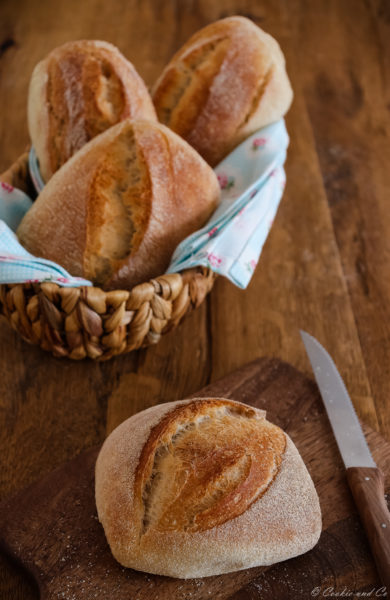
53	530
326	264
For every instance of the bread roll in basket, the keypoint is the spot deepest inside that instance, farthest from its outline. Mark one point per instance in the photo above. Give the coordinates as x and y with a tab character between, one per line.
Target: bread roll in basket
81	322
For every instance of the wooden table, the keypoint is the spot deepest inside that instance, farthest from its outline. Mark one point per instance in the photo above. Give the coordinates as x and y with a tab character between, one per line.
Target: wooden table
325	267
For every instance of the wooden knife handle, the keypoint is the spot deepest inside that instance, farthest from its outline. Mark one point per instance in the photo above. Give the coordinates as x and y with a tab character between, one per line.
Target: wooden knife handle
367	487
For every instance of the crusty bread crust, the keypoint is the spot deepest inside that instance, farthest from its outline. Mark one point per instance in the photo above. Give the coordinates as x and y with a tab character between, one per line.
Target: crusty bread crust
202	487
78	91
226	82
115	212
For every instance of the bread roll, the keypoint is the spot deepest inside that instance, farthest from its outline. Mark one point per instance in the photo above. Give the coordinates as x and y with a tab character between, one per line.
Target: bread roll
226	82
203	487
115	212
78	91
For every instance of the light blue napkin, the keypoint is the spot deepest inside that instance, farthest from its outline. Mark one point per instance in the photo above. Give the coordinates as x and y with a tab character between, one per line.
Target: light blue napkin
252	180
35	173
19	266
13	204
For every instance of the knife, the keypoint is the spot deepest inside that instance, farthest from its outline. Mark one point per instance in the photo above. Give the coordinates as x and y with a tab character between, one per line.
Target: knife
365	479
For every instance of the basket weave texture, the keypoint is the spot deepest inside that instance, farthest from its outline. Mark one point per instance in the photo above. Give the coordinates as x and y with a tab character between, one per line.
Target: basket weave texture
88	321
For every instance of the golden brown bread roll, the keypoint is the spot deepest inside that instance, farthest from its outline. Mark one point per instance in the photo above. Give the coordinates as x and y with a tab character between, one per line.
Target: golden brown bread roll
226	82
78	91
116	210
203	487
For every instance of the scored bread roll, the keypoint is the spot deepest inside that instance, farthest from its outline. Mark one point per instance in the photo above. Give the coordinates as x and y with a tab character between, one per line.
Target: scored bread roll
78	91
115	212
202	487
226	82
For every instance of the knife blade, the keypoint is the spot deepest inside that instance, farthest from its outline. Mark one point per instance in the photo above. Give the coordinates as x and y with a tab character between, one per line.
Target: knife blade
342	416
365	480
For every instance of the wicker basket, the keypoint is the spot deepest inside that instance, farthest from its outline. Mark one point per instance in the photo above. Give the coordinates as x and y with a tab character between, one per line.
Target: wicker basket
87	321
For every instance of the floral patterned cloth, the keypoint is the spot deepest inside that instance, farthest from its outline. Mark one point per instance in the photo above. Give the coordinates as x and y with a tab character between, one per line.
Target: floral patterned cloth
252	180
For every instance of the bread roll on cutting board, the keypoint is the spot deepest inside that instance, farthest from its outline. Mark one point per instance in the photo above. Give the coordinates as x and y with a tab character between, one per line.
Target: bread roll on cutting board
78	91
202	487
226	82
115	212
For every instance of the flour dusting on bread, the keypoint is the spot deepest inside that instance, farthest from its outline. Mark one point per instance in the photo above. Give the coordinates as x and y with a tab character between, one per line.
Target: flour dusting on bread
202	487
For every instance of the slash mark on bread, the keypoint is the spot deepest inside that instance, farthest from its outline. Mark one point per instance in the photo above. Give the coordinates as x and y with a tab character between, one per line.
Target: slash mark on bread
206	468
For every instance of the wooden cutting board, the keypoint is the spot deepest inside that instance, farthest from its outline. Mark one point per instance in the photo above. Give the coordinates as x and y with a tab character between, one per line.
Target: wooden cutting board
52	527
